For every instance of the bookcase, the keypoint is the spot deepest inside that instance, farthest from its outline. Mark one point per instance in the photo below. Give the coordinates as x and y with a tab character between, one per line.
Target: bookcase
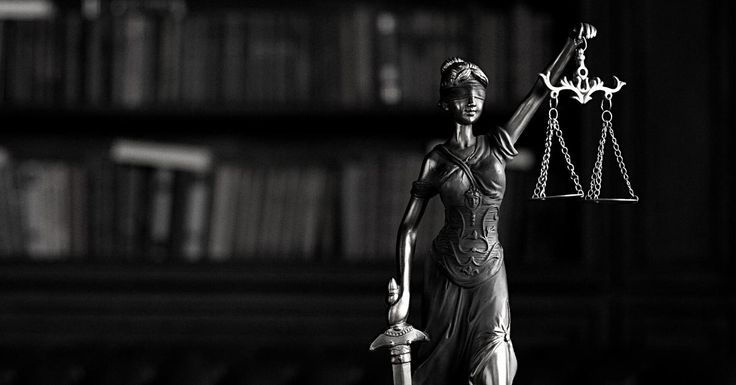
211	190
274	118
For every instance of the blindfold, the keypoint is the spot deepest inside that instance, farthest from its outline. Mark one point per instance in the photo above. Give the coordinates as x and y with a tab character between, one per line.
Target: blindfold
463	91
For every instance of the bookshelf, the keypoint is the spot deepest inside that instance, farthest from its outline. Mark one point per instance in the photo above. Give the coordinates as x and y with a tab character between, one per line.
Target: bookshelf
177	73
144	54
297	130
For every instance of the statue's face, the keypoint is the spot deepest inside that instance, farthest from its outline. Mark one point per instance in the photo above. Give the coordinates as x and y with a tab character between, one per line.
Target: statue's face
466	104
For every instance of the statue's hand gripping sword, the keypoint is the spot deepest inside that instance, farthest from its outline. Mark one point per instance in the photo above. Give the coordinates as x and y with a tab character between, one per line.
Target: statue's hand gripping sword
398	339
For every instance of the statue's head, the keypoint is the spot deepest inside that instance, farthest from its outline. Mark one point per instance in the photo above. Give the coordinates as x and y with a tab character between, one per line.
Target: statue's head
462	90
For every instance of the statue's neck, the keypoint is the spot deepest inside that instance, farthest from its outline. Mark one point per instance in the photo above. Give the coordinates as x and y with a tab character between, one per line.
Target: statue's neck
463	137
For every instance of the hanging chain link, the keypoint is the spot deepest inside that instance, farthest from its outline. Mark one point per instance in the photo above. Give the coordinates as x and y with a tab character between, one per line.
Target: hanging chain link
595	179
566	154
539	189
553	129
597	176
620	161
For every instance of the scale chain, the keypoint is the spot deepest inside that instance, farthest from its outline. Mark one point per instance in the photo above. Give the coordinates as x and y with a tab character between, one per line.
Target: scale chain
595	179
566	155
553	129
607	129
539	190
620	161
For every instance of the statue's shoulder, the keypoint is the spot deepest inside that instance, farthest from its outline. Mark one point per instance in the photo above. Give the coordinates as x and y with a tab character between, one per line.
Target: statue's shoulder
436	167
434	161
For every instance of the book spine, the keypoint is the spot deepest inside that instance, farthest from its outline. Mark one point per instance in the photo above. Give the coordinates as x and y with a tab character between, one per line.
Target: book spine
353	220
312	212
133	212
270	232
196	209
21	63
39	43
80	212
43	191
162	195
62	219
193	62
234	59
6	223
326	82
98	57
292	217
101	185
222	221
71	50
251	201
132	60
212	68
170	64
301	85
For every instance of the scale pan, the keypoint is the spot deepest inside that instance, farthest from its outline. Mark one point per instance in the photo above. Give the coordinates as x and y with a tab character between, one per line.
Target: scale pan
613	201
556	197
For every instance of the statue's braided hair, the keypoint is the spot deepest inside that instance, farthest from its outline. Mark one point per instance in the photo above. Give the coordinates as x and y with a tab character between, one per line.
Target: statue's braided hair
456	70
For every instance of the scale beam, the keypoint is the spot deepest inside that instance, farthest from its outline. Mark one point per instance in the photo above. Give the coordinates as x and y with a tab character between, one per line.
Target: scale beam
582	87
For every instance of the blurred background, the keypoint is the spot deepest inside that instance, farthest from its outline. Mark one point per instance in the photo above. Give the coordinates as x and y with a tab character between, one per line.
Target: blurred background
208	192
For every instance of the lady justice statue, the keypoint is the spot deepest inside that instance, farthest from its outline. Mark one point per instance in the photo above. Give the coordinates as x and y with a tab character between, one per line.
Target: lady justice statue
465	299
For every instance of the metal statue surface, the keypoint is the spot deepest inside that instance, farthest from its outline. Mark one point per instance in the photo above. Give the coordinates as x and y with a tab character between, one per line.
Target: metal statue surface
582	86
465	299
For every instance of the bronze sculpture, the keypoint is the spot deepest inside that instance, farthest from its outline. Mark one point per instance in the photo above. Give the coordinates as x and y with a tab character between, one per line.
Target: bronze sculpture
466	308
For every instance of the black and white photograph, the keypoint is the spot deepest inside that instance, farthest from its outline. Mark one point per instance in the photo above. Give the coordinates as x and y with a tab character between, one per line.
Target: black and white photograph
242	192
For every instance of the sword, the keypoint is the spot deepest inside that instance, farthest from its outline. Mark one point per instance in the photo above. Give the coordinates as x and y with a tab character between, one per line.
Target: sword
398	338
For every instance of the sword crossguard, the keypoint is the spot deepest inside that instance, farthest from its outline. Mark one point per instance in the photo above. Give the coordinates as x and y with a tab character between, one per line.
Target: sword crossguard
398	335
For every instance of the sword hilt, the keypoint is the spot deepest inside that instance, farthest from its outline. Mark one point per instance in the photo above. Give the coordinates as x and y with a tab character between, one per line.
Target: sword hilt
398	339
401	334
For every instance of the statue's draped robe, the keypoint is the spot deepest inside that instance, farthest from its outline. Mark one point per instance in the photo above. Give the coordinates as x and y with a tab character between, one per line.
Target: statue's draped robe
466	307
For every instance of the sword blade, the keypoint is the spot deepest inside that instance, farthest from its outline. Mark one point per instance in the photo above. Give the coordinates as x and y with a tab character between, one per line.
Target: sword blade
402	373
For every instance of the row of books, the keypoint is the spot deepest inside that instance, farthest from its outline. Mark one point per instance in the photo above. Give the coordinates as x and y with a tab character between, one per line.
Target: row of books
353	56
150	201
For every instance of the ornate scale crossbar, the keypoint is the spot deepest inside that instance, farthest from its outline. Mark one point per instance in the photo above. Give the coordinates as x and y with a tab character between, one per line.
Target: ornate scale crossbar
583	89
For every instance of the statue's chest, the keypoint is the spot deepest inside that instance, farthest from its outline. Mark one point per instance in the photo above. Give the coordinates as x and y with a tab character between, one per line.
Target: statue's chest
457	189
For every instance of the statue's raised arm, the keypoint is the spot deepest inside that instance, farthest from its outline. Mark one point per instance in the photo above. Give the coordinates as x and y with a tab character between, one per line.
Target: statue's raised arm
526	109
